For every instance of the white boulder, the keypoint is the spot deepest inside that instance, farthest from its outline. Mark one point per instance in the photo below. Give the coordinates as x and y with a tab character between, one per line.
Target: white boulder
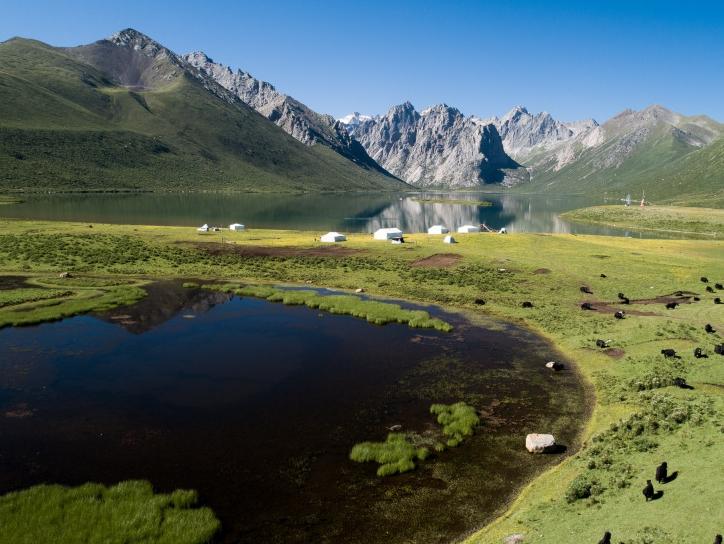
539	443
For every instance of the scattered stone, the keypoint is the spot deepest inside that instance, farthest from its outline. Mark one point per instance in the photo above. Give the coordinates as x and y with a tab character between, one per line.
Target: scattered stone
64	275
515	538
539	443
395	428
359	290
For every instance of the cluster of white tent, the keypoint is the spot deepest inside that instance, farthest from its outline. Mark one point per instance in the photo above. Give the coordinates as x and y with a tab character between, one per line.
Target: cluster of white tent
395	235
234	226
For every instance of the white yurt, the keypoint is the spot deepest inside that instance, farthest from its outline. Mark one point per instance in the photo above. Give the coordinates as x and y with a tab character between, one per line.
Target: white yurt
203	228
438	229
236	226
388	233
469	228
333	237
449	240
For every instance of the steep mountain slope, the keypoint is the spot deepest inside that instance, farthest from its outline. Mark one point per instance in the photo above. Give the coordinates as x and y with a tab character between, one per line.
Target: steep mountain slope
634	151
127	113
439	147
303	123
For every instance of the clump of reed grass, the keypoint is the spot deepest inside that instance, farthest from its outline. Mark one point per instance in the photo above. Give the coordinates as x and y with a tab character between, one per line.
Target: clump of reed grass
458	421
395	455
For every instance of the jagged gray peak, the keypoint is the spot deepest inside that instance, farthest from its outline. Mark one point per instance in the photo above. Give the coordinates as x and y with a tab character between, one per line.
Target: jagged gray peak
437	147
298	120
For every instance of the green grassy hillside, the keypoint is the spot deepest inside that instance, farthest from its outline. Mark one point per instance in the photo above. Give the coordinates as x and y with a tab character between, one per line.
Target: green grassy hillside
65	126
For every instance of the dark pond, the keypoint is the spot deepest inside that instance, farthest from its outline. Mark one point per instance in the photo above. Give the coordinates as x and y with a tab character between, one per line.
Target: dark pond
348	212
256	405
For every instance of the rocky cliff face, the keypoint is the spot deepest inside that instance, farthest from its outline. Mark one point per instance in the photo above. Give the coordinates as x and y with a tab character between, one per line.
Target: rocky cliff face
303	123
437	147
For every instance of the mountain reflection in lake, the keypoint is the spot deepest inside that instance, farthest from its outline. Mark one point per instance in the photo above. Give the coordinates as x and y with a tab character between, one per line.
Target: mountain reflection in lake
349	212
256	405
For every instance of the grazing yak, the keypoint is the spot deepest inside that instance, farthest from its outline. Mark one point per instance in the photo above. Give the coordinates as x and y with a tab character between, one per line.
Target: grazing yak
602	343
709	289
671	305
587	306
479	301
708	328
719	349
719	286
699	353
587	290
717	539
696	299
619	315
648	490
606	538
621	296
717	300
662	473
527	304
604	276
704	279
681	383
668	352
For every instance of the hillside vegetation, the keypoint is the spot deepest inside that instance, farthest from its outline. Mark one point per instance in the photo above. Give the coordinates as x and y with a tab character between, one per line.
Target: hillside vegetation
65	126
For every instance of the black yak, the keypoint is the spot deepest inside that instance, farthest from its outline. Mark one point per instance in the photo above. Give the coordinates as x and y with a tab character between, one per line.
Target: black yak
699	353
621	296
648	490
704	279
708	328
709	289
696	299
717	539
479	301
662	473
717	300
587	306
602	343
719	349
585	289
681	382
719	286
606	538
671	305
527	304
668	353
619	315
604	276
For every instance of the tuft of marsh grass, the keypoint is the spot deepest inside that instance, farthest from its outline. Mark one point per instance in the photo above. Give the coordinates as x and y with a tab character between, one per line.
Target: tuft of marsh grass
129	512
395	455
458	421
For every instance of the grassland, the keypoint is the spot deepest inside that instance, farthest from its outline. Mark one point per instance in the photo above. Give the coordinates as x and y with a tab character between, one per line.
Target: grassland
665	219
640	417
127	513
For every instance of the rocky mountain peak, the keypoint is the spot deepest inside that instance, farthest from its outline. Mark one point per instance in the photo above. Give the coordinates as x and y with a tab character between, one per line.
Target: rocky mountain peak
137	41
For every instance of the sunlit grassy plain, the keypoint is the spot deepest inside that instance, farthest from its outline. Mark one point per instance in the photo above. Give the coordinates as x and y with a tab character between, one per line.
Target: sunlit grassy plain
681	426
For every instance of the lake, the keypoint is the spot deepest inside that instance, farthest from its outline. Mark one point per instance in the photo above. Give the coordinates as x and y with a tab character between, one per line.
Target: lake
347	212
257	405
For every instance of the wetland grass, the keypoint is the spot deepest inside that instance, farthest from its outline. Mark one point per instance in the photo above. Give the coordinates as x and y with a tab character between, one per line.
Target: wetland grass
458	421
395	455
128	512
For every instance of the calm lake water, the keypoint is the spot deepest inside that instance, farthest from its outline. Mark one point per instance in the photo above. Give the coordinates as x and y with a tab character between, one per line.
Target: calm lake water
349	212
256	405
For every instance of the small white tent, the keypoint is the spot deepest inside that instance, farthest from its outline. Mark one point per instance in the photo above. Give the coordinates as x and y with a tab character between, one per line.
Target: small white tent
469	228
203	228
449	240
388	234
333	237
236	226
437	229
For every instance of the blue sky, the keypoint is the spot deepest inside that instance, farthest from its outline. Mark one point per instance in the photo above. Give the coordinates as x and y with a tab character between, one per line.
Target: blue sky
573	59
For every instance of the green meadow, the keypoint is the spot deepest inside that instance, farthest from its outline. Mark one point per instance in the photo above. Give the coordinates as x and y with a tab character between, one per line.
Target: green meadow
639	417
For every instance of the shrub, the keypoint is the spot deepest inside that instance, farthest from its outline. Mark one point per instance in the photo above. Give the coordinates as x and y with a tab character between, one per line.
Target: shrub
583	486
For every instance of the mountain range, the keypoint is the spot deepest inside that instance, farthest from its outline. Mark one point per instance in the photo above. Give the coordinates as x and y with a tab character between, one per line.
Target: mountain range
663	154
127	113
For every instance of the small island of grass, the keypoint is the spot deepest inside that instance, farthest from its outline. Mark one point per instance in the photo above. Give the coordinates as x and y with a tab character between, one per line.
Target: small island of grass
395	455
127	512
458	421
